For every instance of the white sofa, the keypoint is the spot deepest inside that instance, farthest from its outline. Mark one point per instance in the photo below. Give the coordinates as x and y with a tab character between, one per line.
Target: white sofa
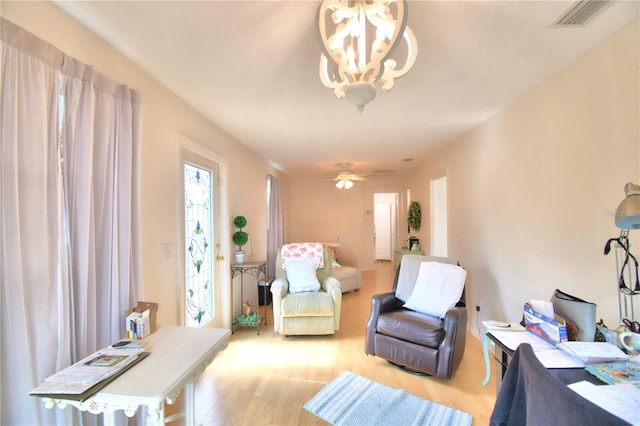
349	276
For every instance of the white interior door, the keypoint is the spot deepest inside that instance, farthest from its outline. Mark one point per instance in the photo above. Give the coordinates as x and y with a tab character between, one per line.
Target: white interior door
382	224
439	212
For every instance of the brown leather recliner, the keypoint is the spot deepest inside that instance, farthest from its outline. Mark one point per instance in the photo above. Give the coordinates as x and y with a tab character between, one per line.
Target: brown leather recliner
414	341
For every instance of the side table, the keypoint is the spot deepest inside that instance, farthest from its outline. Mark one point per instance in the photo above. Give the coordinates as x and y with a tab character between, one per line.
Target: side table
499	355
399	252
255	269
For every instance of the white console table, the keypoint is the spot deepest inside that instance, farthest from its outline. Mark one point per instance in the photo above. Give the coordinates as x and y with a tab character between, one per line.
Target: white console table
177	356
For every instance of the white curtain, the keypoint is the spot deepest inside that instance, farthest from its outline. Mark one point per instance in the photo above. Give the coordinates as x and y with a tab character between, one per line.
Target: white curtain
35	286
69	219
275	232
101	138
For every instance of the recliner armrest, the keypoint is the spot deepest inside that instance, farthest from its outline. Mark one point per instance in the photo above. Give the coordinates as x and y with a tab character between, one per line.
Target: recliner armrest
452	318
332	286
380	303
452	346
385	302
330	283
280	285
279	288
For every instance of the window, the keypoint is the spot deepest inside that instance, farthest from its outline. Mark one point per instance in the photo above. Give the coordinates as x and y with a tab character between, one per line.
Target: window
198	233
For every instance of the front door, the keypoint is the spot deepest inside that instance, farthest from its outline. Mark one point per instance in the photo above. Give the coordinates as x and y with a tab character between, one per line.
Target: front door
201	282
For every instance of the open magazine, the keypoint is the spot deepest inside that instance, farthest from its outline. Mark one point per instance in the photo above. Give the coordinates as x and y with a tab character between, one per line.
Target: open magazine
87	376
616	372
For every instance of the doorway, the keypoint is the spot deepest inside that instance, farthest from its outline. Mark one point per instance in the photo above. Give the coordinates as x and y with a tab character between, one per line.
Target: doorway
202	262
439	213
384	215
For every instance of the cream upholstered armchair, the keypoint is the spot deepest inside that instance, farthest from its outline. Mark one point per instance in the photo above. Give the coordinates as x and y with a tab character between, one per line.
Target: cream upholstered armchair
306	298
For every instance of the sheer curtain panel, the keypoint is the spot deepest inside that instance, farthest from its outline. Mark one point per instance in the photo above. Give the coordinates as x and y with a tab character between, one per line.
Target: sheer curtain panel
69	218
101	138
275	233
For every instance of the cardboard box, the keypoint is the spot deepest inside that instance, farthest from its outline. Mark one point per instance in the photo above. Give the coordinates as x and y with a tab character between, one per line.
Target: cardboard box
140	321
553	330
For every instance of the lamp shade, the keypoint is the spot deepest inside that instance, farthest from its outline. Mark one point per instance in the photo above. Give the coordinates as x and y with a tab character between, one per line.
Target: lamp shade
344	184
628	212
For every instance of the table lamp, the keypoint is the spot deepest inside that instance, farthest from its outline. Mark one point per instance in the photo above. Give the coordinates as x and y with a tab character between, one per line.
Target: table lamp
628	212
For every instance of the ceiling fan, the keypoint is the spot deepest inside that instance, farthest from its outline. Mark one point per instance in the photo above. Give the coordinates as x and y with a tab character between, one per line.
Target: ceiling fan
345	178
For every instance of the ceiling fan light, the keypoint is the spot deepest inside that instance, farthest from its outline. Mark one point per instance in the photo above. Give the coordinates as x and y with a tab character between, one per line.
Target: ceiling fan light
348	184
340	184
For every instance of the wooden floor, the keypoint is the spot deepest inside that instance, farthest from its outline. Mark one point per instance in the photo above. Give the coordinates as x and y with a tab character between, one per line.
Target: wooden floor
266	379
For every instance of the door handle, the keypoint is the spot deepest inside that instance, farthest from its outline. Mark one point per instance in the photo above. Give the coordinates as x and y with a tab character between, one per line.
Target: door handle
219	258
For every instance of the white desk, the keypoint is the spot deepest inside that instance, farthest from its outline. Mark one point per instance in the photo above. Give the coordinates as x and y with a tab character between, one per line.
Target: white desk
178	356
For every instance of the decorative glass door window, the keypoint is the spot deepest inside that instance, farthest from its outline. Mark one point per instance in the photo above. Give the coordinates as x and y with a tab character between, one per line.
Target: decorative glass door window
198	232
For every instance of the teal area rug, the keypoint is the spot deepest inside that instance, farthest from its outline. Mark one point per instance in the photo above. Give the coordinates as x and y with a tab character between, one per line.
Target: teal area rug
354	400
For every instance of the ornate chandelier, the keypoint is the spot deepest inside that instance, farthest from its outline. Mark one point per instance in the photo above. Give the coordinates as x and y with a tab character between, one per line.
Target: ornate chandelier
358	38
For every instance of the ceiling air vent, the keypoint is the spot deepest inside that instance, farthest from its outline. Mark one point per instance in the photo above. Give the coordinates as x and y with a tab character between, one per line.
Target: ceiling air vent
579	13
380	172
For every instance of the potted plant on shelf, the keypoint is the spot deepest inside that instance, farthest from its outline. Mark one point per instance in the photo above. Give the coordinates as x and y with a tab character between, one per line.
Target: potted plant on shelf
240	238
414	218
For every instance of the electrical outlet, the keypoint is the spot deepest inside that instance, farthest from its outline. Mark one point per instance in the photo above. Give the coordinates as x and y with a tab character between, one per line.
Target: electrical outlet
479	306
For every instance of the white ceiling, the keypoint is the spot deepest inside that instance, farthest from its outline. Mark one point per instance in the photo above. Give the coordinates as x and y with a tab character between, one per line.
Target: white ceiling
252	68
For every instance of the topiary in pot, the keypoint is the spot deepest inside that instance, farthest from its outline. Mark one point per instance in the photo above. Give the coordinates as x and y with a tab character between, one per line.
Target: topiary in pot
240	237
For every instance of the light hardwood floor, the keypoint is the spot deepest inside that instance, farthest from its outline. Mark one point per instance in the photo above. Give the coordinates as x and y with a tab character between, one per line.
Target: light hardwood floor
266	379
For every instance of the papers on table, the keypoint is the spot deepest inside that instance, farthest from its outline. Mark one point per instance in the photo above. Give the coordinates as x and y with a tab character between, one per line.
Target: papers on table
512	340
549	355
621	400
80	380
555	358
96	366
593	352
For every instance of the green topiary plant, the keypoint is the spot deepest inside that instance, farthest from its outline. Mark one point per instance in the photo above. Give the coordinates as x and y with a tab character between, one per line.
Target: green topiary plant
414	216
240	237
240	222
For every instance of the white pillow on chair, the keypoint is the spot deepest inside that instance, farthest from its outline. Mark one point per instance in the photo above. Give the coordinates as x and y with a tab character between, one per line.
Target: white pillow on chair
438	288
301	274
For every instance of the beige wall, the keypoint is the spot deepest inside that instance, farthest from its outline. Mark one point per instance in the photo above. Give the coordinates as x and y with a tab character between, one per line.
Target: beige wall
534	189
319	213
165	118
